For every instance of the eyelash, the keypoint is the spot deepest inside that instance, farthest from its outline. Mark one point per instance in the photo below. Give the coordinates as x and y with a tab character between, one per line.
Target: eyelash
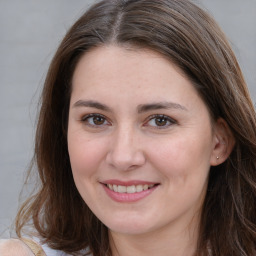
86	118
164	118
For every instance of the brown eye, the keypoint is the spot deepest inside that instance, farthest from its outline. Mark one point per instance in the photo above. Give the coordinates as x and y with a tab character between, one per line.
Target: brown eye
98	120
161	121
95	120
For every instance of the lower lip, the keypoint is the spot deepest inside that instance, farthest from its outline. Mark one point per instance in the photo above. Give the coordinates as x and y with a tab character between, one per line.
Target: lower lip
127	197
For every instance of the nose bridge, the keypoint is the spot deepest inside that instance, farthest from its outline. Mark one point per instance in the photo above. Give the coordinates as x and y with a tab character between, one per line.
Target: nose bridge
125	137
125	152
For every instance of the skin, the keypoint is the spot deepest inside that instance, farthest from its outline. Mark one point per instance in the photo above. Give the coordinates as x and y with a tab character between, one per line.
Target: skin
127	143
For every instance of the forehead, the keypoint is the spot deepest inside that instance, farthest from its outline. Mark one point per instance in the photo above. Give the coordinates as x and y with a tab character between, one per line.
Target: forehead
122	63
118	73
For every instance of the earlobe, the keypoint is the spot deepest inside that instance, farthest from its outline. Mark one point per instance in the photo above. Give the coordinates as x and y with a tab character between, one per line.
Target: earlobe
223	142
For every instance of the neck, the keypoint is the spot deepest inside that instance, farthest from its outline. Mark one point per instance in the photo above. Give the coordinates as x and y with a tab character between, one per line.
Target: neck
181	242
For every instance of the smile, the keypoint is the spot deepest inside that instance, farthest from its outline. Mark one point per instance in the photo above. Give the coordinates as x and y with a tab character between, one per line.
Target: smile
129	192
129	189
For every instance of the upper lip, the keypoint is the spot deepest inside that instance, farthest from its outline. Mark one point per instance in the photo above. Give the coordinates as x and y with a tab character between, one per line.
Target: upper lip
128	183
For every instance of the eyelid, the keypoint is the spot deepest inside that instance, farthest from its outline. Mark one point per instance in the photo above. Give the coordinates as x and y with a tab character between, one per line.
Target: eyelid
169	119
86	117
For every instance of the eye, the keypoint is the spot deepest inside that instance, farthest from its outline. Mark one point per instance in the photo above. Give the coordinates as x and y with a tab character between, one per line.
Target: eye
160	121
95	120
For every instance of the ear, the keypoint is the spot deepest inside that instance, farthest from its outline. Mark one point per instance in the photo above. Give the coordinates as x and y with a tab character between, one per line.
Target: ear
223	142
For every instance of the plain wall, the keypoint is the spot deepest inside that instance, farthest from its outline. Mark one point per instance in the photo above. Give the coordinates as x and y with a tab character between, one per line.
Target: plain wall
30	31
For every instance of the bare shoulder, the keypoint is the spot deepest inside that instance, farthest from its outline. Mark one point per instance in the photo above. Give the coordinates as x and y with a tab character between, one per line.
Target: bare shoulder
14	247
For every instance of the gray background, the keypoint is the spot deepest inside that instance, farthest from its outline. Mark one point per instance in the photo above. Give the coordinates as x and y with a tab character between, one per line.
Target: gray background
30	31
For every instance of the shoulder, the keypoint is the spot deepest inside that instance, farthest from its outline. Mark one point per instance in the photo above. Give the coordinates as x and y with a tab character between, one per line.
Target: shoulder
14	247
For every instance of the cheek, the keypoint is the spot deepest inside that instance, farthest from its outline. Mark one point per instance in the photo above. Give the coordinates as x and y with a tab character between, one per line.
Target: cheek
85	157
85	154
182	155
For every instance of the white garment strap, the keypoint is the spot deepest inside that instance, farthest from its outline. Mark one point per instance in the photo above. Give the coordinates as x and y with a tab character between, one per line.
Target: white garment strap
34	247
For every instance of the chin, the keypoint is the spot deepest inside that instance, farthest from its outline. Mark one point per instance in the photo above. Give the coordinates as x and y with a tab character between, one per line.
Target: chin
129	229
128	226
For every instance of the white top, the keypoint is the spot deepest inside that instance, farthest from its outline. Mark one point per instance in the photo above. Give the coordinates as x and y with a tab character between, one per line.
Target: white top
50	252
14	247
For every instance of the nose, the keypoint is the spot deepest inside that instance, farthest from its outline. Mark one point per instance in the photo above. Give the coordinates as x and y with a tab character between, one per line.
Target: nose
125	152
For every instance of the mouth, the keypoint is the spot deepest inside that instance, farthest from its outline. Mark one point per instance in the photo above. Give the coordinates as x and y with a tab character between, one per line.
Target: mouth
129	191
132	189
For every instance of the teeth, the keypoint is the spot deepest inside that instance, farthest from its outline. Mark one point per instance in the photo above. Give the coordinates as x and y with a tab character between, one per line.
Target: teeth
121	189
139	188
114	188
129	189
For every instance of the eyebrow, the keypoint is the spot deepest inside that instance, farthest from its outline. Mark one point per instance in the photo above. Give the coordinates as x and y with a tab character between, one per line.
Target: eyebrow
160	105
91	104
141	108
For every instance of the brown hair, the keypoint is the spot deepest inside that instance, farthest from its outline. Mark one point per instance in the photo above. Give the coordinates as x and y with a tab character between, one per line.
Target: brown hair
190	38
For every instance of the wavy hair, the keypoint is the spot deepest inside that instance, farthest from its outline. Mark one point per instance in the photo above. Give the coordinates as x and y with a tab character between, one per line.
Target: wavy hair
191	39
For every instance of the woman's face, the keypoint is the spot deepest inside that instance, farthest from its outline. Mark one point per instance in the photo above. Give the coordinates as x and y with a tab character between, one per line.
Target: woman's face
140	141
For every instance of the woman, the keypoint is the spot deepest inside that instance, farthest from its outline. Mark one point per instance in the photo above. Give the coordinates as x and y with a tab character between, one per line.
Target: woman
146	138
